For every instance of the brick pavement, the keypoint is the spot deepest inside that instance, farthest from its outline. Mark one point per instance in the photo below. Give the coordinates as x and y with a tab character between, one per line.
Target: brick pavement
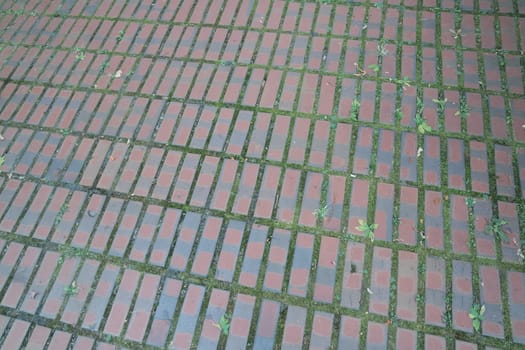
207	174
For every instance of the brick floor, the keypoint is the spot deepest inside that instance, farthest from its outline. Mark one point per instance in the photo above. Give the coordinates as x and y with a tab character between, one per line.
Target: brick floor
207	174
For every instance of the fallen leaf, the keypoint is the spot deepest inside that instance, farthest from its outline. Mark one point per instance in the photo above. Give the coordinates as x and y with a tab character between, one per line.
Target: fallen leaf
118	74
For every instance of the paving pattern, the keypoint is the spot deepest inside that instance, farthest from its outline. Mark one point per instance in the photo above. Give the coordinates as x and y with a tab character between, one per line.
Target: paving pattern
262	174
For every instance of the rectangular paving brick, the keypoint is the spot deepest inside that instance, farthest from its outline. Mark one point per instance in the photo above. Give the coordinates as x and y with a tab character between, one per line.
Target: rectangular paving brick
210	334
407	280
326	270
38	337
321	329
376	335
106	225
146	230
97	306
335	200
120	306
267	193
459	225
14	338
319	144
282	49
271	88
111	169
254	86
385	153
384	212
289	91
353	275
307	94
434	233
311	199
256	146
84	282
164	313
35	294
143	305
205	180
227	260
244	196
341	147
185	241
202	81
21	275
504	178
277	259
408	217
463	298
17	206
432	163
240	322
224	184
300	271
31	216
266	325
349	331
380	281
485	243
253	255
206	248
203	127
55	298
221	129
406	338
516	283
187	320
294	327
359	204
166	175
490	289
181	190
238	136
363	151
509	213
123	234
277	143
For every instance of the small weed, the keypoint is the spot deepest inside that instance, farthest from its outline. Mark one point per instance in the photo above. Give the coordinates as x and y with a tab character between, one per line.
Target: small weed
464	110
374	67
420	298
104	65
446	317
368	230
321	212
469	201
405	82
422	125
81	54
354	113
440	103
116	75
120	35
476	315
398	114
2	160
65	132
381	50
455	33
421	122
224	324
494	227
72	289
61	212
226	63
333	121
